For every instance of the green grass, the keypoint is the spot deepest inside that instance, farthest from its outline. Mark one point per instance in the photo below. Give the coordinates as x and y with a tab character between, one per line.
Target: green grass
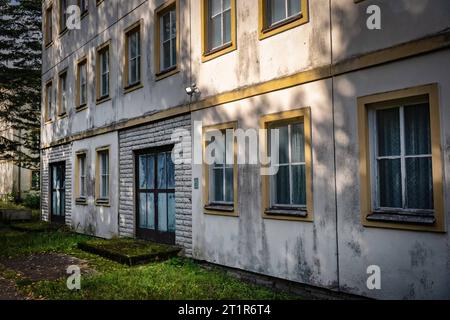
177	278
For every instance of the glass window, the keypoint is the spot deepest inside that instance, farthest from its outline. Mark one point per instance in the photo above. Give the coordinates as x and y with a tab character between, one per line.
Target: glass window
84	6
219	23
48	26
288	186
221	173
134	57
168	39
104	72
63	93
63	15
104	174
280	10
82	83
404	158
82	175
48	101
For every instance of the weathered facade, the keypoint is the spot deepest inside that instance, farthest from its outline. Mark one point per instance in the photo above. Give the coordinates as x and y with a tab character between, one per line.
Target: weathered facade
322	69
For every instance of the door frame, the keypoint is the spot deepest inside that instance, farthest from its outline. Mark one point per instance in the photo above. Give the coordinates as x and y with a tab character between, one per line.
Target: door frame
147	234
53	218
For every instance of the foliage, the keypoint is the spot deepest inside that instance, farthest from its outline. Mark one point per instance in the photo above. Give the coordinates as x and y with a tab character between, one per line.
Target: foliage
32	200
20	83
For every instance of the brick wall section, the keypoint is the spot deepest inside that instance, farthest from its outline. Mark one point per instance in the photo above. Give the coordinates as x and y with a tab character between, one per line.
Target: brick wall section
49	156
150	136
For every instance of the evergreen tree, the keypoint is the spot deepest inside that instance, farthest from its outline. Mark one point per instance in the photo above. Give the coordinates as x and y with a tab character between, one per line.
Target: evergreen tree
20	81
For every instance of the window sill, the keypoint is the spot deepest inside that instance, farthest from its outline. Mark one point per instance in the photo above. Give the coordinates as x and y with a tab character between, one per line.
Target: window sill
84	14
63	32
395	217
282	26
102	100
62	115
48	45
285	212
132	87
49	121
81	202
81	108
220	210
102	203
166	73
215	53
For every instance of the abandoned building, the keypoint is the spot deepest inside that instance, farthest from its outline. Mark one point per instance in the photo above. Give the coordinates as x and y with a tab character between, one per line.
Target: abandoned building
362	114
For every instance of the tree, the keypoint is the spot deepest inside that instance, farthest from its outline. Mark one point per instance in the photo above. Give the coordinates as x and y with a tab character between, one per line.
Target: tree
20	81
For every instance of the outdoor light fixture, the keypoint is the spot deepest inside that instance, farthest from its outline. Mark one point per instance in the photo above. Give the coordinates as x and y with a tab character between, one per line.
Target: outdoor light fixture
190	91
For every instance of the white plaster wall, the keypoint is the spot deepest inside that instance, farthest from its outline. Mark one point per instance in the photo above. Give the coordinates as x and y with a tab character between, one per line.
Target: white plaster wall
100	221
299	251
414	265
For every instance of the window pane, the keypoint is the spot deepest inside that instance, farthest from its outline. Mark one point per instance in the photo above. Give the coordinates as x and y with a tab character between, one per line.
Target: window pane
143	210
390	183
143	172
162	212
227	27
419	183
281	187
132	72
229	196
215	32
162	177
277	11
284	145
299	185
171	213
298	143
417	129
170	172
166	27
173	46
166	55
388	129
217	185
215	7
293	7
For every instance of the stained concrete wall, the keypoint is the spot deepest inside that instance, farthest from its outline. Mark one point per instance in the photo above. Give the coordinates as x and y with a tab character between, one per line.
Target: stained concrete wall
401	21
107	22
298	251
414	265
89	218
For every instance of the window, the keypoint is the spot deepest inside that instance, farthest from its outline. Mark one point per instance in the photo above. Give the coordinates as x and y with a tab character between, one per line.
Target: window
220	189
62	98
103	73
84	6
48	101
82	83
219	27
62	16
35	180
166	42
280	15
132	75
102	176
48	26
81	177
287	193
400	159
